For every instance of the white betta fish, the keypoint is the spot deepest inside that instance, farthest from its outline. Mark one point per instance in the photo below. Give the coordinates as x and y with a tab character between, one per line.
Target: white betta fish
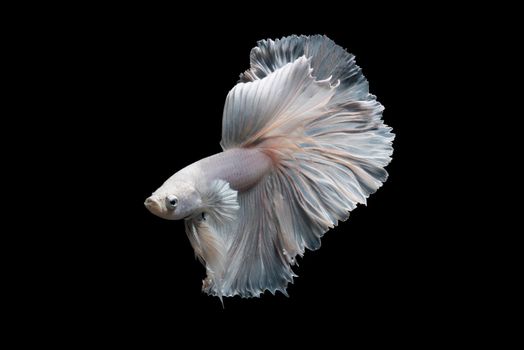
303	143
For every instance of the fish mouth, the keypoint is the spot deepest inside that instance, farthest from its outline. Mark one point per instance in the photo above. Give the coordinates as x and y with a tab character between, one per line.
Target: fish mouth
153	206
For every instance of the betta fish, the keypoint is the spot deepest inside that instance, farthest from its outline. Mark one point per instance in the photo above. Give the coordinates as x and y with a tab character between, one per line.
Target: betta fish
303	143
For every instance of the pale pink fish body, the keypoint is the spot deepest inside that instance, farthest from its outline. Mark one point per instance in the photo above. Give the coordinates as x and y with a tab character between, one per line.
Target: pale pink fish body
303	143
242	168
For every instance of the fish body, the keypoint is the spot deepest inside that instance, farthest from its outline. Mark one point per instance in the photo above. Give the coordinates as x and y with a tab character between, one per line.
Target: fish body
241	168
304	143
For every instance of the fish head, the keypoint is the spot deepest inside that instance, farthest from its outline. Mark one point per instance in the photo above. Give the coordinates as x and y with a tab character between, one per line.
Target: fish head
174	200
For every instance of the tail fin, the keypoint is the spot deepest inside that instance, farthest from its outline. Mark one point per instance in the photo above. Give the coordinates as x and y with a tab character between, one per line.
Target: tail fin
306	104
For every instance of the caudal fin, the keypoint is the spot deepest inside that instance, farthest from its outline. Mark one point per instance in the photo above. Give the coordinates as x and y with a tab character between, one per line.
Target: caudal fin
306	104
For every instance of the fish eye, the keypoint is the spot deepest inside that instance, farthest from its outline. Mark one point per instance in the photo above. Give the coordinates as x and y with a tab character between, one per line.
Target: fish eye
171	201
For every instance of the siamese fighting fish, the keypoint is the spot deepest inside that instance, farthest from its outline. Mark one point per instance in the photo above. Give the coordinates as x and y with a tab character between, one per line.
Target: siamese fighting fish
303	143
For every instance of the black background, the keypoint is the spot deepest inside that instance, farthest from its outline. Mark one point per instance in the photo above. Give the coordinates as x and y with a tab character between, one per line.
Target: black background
147	97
